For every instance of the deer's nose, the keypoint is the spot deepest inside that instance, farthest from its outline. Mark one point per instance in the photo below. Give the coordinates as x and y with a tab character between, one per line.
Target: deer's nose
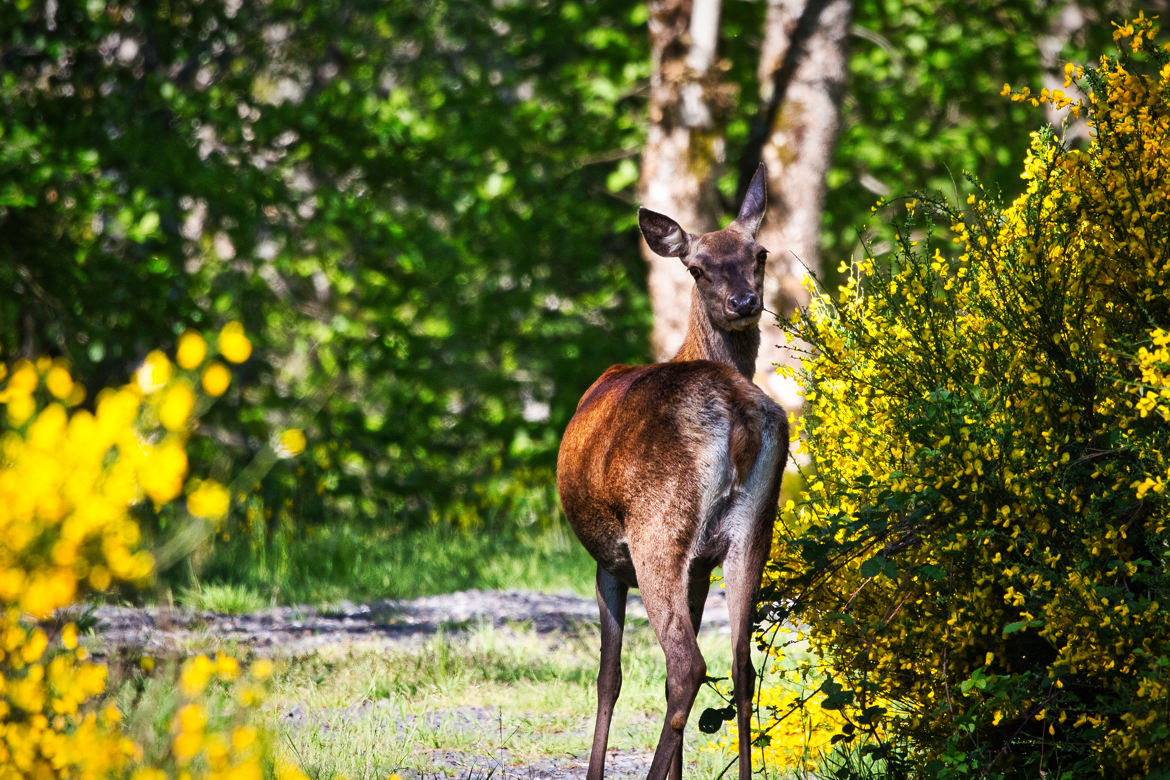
744	304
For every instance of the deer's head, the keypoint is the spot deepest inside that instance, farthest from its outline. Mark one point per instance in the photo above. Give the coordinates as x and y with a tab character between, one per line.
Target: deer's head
727	264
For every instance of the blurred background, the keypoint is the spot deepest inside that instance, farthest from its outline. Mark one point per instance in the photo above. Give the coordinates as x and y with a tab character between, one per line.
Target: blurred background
424	213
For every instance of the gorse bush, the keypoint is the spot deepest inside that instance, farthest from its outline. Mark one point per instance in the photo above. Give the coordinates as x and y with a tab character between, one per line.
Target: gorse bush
981	555
72	482
805	721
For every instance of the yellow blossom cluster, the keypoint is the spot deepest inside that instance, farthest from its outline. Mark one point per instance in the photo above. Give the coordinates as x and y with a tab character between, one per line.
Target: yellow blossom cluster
984	540
800	724
70	480
44	729
211	736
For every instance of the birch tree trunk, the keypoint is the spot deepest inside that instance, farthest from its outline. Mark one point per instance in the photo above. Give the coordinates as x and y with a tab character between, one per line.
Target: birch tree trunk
802	72
684	147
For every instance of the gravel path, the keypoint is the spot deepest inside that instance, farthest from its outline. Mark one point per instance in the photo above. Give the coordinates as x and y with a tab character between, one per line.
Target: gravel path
299	630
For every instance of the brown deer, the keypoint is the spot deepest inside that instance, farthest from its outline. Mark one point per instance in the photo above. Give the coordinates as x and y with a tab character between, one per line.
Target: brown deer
671	469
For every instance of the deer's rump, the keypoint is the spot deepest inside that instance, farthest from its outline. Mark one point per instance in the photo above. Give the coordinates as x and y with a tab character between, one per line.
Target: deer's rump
651	442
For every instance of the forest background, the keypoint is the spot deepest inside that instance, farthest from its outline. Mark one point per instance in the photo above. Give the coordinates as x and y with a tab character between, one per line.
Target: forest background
423	214
410	232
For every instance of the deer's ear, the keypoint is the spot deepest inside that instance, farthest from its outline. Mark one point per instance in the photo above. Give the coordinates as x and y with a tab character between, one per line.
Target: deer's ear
663	234
751	213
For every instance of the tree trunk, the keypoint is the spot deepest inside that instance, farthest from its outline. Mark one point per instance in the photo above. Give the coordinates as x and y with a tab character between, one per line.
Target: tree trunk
803	67
684	147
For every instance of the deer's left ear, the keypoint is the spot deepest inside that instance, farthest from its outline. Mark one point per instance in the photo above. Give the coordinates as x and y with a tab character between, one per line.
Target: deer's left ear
751	213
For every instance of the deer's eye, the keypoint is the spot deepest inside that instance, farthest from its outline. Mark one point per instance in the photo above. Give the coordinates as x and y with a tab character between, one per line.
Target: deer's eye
695	271
762	255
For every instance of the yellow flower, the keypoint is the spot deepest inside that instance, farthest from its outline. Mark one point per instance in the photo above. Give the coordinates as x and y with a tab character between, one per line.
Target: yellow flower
291	443
191	351
161	473
20	408
69	636
176	407
12	584
23	380
261	669
210	500
154	372
233	344
244	737
216	378
34	646
59	382
192	718
69	482
287	771
186	746
195	675
226	667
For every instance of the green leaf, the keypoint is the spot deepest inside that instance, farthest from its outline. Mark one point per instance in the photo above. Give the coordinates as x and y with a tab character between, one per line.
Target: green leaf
1020	625
879	564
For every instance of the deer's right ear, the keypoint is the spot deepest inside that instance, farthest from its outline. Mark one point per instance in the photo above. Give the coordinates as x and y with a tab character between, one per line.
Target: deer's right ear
663	234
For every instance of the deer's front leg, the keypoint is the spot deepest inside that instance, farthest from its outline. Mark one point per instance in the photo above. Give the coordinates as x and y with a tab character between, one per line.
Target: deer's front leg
611	603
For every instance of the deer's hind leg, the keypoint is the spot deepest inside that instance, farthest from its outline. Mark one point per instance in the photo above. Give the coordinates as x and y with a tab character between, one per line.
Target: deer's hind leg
663	580
611	603
700	585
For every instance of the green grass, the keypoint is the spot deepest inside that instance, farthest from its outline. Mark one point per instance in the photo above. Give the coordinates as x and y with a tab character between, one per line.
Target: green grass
531	698
322	565
504	703
498	703
223	597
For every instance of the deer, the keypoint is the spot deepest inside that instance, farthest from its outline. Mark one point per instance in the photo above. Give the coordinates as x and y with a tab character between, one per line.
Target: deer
670	469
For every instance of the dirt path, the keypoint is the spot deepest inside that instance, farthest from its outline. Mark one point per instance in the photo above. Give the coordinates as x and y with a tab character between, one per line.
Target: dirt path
299	630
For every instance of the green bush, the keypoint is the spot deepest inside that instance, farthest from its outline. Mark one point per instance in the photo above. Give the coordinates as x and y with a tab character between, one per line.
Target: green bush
981	556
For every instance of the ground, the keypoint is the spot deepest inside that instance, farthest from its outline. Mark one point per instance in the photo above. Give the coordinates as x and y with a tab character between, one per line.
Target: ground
475	684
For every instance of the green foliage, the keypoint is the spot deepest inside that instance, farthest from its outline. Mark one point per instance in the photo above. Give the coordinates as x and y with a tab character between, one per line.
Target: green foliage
407	205
921	105
983	549
419	212
349	560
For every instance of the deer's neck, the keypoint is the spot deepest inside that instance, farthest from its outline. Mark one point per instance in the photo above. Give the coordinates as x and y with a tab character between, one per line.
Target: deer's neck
736	348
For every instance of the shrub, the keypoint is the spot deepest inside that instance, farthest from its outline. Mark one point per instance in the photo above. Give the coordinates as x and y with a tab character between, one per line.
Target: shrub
71	483
981	555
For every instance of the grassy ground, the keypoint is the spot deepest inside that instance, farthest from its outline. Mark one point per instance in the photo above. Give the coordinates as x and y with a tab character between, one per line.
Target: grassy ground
492	703
488	703
361	564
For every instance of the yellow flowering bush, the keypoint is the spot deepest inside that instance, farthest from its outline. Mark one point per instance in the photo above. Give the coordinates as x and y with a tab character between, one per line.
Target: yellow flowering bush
982	551
71	481
801	721
208	732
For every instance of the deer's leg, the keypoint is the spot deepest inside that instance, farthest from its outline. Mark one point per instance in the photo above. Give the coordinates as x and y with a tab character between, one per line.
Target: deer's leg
664	594
742	569
696	600
611	602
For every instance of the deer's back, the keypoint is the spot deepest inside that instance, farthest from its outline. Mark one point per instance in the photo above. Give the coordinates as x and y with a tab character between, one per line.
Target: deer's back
660	441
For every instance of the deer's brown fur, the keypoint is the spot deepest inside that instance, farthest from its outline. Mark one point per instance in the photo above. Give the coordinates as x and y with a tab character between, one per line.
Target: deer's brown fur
668	470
